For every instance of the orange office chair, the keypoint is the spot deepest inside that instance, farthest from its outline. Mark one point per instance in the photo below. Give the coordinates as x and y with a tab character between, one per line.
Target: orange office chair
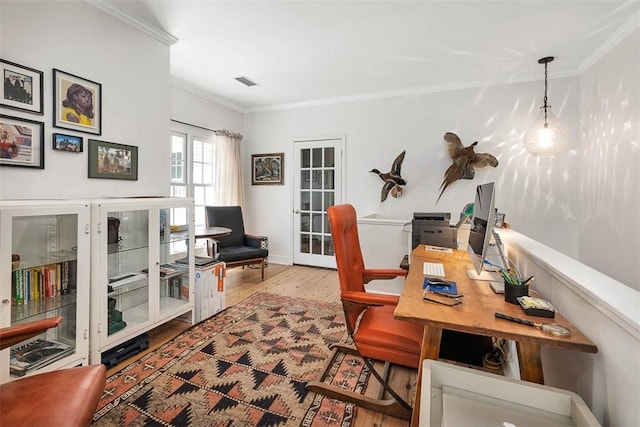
67	397
369	317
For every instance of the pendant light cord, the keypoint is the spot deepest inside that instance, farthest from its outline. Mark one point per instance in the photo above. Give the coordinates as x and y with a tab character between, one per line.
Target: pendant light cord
546	74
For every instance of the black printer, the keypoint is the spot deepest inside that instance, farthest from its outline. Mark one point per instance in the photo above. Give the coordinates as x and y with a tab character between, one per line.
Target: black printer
433	228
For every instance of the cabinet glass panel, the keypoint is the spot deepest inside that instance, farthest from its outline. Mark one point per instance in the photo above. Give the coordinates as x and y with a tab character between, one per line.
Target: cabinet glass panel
174	275
127	269
43	284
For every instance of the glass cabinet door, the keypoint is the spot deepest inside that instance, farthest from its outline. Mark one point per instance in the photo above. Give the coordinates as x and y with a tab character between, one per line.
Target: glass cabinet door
174	260
43	281
127	270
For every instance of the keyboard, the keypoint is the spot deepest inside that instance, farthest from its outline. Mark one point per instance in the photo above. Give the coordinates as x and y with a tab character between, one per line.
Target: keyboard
433	269
438	249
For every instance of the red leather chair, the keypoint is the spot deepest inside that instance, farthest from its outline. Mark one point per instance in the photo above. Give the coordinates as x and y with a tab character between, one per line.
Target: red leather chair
67	397
369	318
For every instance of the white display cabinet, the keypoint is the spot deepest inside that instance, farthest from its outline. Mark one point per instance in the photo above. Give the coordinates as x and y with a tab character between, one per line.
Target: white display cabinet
44	272
142	265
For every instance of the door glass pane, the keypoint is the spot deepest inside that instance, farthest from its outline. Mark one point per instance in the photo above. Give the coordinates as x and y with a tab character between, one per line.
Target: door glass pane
317	201
305	200
305	179
328	180
316	182
316	223
317	158
304	222
329	199
329	157
305	243
305	158
316	244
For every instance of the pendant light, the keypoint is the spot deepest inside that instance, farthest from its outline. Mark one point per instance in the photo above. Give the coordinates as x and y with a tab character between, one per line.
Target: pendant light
548	135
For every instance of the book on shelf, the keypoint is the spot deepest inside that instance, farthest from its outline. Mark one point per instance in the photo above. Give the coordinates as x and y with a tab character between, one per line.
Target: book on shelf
35	354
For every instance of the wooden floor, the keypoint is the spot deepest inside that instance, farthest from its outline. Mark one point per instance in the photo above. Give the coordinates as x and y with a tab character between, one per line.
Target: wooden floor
295	281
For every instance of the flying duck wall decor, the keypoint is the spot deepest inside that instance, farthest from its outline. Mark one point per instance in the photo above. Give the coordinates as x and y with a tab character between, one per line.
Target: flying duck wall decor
465	160
392	181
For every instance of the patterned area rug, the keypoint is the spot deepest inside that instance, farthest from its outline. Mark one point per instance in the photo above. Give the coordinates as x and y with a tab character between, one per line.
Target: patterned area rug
246	366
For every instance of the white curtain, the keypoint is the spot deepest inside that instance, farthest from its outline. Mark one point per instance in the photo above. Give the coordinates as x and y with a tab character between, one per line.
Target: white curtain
230	186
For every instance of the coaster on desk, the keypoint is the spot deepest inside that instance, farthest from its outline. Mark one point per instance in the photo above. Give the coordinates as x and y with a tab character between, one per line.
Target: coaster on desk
438	286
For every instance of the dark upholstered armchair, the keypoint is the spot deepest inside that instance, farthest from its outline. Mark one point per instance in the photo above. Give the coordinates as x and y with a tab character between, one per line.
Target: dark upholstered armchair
236	248
67	397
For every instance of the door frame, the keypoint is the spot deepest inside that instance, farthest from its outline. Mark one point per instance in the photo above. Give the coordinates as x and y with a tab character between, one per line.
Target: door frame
340	163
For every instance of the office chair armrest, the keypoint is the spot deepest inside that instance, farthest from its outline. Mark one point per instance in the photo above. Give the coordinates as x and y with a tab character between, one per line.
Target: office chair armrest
14	334
260	242
369	298
382	274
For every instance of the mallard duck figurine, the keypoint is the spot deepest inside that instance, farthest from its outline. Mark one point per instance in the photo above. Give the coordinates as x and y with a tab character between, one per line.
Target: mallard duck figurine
465	160
392	180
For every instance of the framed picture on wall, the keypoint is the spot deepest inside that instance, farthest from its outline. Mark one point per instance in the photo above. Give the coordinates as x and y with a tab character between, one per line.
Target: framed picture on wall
267	169
22	89
64	142
112	161
21	142
77	103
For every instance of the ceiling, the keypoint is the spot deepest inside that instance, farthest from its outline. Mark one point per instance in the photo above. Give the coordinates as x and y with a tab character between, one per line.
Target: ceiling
317	52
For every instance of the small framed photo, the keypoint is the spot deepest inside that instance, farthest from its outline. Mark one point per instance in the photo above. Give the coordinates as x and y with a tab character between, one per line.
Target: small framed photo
64	142
267	169
77	103
112	161
23	88
21	142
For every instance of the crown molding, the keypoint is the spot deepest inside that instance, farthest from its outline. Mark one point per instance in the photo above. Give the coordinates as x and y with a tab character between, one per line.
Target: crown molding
414	91
618	36
155	32
202	93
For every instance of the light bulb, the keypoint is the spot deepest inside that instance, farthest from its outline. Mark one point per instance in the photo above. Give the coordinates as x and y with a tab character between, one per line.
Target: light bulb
541	140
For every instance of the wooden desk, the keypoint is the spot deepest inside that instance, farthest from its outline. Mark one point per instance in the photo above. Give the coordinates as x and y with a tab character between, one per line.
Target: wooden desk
476	315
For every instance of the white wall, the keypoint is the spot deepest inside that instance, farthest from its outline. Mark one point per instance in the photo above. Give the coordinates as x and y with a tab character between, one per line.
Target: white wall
539	195
191	108
610	189
132	67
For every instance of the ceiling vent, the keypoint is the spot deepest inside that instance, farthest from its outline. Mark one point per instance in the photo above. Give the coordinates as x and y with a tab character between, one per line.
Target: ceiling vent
245	81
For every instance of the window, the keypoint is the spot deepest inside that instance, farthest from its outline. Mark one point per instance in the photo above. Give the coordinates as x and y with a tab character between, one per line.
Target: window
193	157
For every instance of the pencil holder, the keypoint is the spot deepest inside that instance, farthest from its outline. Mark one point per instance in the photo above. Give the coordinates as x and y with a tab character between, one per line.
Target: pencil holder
512	292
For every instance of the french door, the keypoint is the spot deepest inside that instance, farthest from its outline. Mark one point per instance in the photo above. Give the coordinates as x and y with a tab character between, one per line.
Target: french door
317	185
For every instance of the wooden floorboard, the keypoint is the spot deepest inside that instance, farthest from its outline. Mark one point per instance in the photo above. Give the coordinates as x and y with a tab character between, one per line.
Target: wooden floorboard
294	281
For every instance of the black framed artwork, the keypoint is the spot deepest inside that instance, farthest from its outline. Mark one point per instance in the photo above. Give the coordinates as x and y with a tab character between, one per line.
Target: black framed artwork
109	160
267	169
72	143
77	103
23	88
21	142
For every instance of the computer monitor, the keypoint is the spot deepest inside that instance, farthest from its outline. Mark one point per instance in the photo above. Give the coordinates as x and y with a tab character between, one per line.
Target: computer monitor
481	232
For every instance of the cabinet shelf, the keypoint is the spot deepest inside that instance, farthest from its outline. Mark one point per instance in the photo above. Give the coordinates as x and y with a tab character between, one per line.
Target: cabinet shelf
45	259
38	307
